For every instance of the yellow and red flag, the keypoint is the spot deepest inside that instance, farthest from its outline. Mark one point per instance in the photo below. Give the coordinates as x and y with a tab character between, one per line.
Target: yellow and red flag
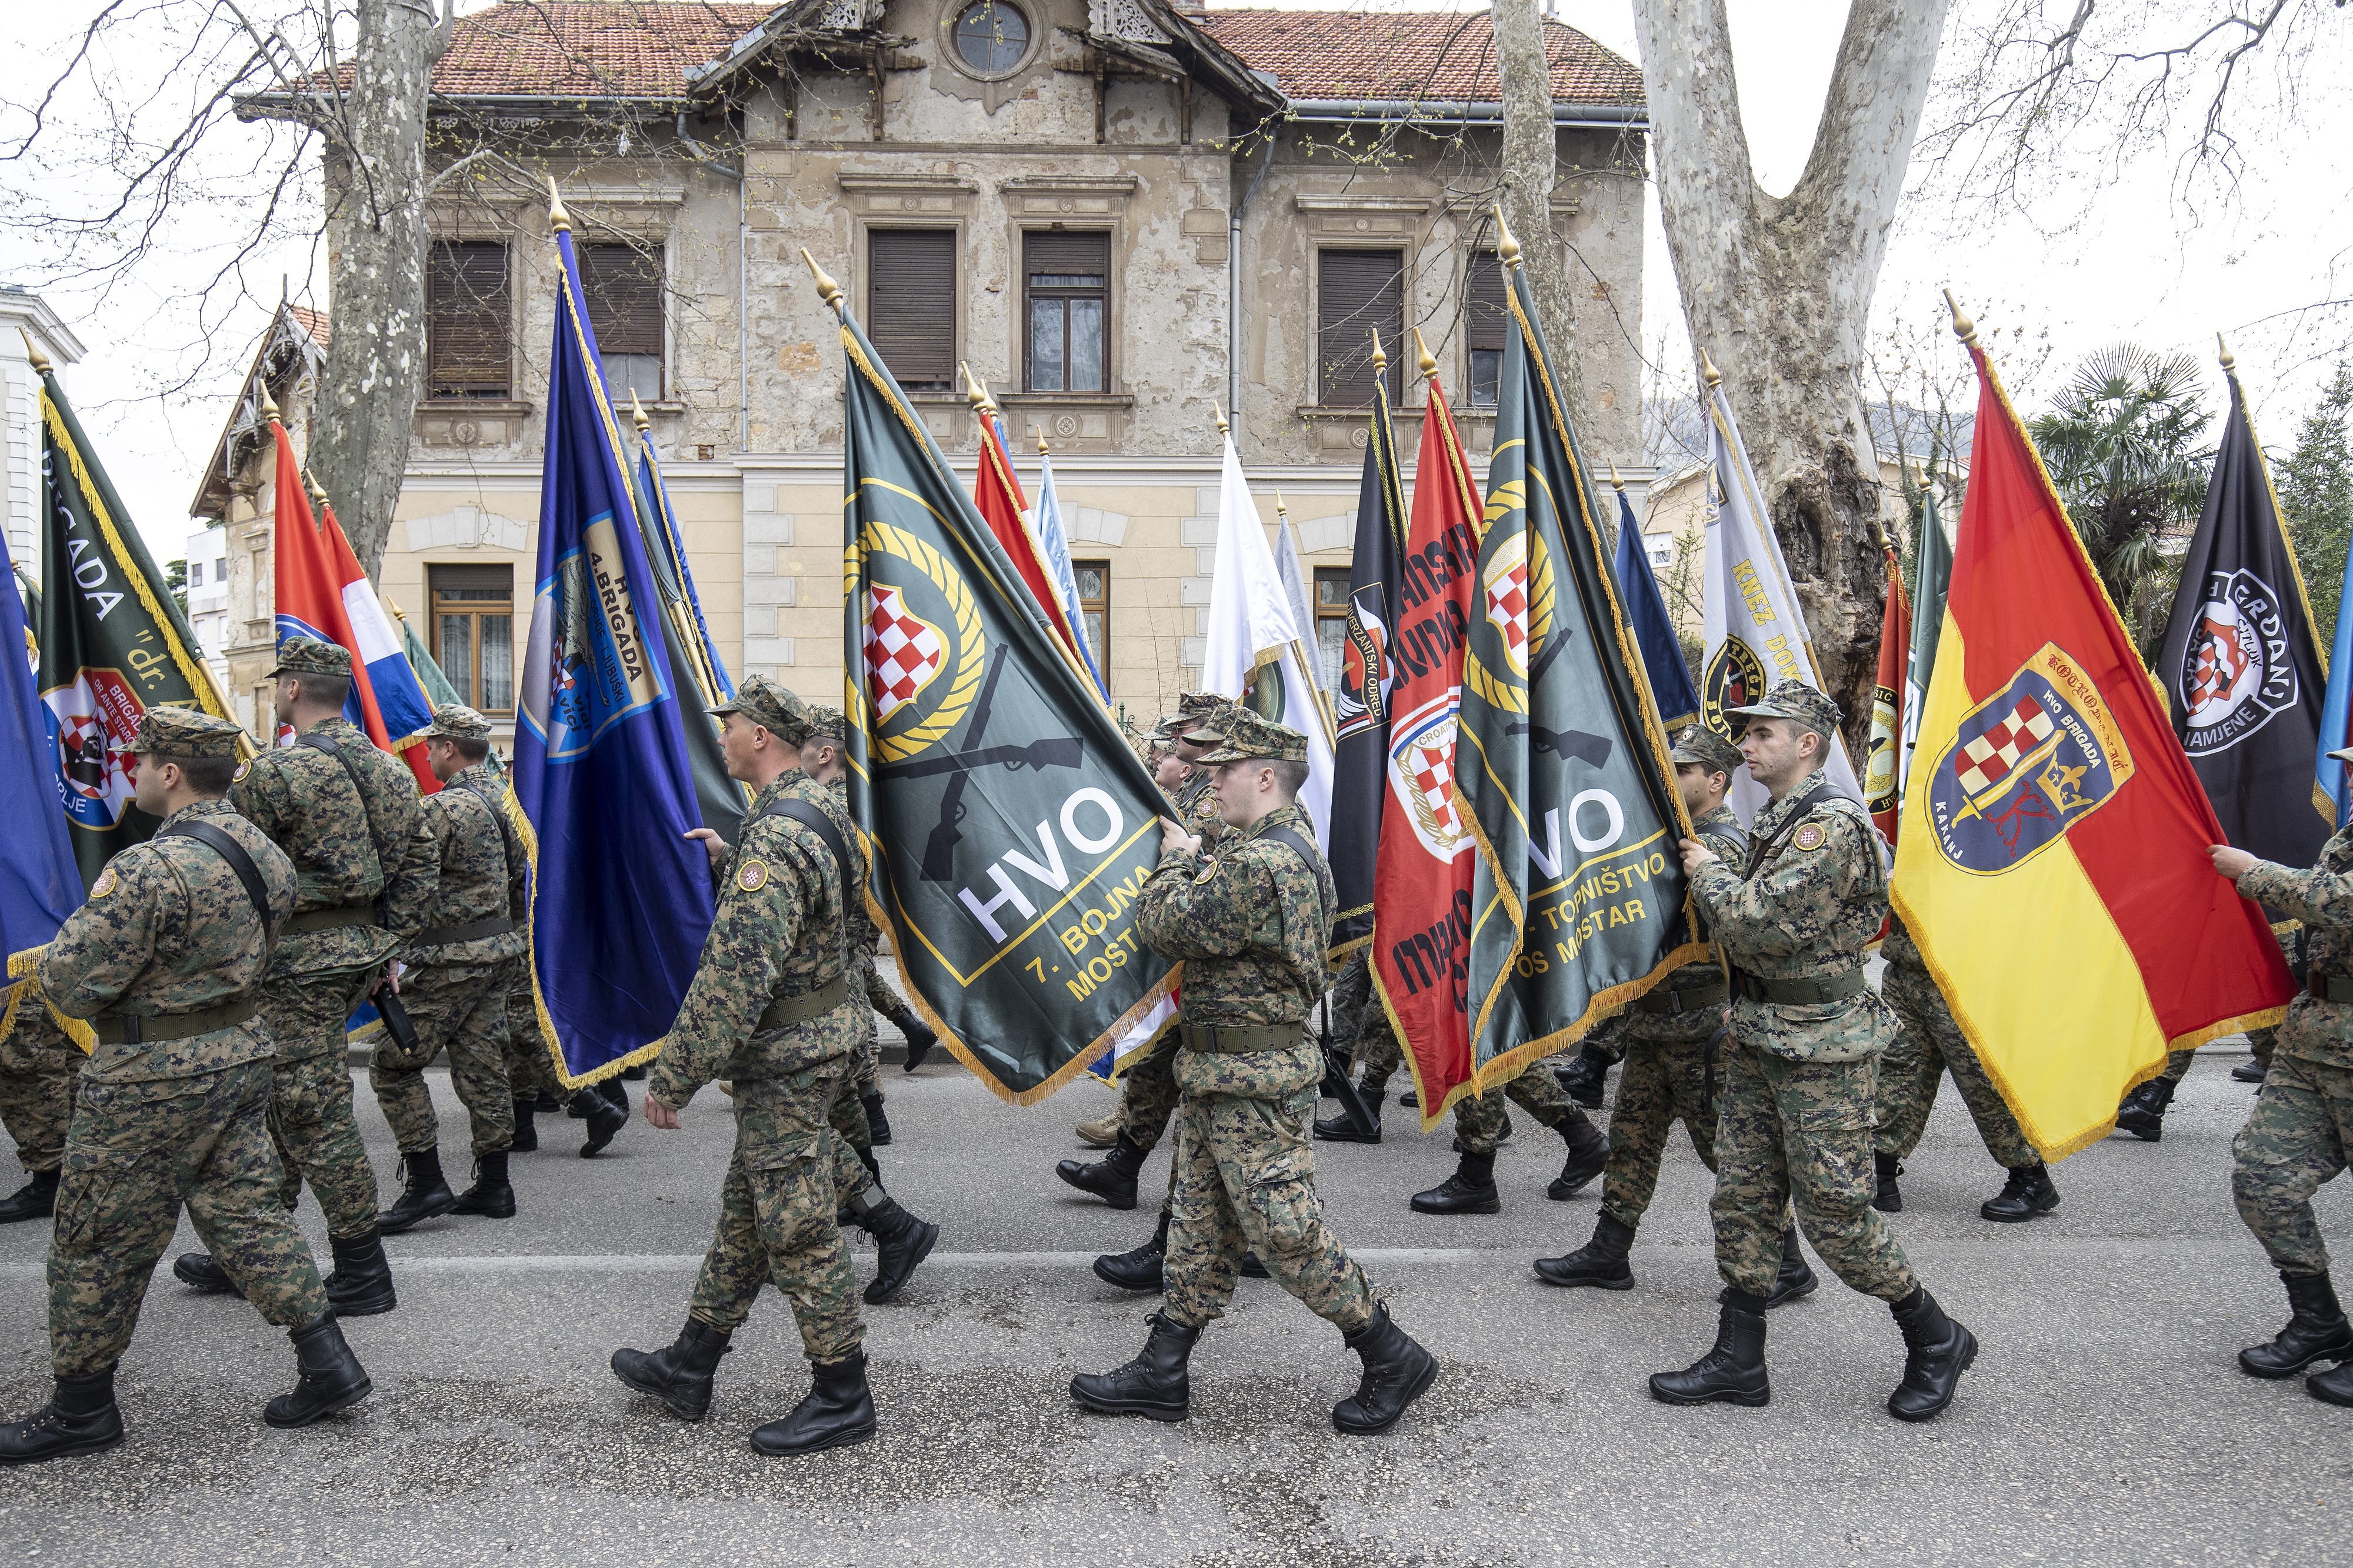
2052	865
1881	772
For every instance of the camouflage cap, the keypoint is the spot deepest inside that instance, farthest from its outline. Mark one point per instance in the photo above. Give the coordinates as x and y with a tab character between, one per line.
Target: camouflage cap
776	709
1211	725
1700	744
1796	700
456	721
1250	738
828	723
309	656
185	732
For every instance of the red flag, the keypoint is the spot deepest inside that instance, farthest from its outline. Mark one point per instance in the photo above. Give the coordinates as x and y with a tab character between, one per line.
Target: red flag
1002	505
1421	876
1880	766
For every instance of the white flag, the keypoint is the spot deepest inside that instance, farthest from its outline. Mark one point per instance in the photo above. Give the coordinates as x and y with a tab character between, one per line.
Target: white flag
1288	567
1257	651
1756	632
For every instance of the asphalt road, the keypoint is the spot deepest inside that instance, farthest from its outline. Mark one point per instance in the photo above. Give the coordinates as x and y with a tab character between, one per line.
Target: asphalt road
2104	1421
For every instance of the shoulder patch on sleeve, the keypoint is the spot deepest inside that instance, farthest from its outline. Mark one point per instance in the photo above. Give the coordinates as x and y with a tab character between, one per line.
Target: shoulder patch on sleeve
243	768
1207	872
1810	836
752	876
104	884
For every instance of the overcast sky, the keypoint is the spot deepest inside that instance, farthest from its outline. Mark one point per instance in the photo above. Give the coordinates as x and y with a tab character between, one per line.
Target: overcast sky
2127	259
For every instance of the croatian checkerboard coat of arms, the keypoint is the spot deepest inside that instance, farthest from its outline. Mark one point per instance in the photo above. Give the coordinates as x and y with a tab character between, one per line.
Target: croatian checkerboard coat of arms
2026	765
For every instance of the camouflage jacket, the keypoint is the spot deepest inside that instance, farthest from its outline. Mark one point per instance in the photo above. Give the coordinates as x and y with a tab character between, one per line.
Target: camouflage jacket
865	941
780	933
1808	912
2322	898
475	883
169	928
304	800
1900	951
1721	831
1196	808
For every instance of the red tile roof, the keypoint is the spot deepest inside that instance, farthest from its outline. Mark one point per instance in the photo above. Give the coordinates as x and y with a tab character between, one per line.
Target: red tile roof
312	321
597	49
1426	55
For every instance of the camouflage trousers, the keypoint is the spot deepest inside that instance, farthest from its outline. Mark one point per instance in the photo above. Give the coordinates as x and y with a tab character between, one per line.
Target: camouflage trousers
1246	1181
38	1068
1479	1122
136	1153
1666	1077
2259	1041
1360	1025
776	1214
868	1055
1147	1091
461	1009
2293	1144
1928	1044
310	1116
1800	1133
531	1072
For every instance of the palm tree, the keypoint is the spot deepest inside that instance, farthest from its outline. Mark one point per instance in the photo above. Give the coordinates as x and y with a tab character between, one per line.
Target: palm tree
2124	442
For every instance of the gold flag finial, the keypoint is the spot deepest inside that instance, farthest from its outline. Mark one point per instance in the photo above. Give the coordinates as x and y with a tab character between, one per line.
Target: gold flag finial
398	612
1380	356
1424	361
33	356
557	218
1615	482
2229	360
1507	249
269	408
827	288
1281	513
1223	429
1707	368
1042	439
1963	327
638	413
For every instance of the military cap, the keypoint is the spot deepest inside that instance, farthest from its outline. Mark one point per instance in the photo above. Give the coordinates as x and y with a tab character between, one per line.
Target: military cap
309	656
1210	727
828	723
1700	744
1250	738
185	732
776	709
1796	700
456	721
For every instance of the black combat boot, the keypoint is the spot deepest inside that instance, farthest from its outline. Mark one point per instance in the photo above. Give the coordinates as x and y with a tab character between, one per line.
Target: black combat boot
1470	1190
1937	1350
424	1193
360	1285
1139	1269
491	1195
2335	1387
37	1198
1111	1178
1398	1371
79	1419
1582	1075
2251	1070
1588	1154
526	1132
328	1377
1340	1130
1153	1384
605	1120
878	1126
197	1268
2317	1331
2028	1192
1411	1100
679	1374
2142	1114
1250	1267
1889	1197
920	1036
1797	1277
1734	1372
900	1242
836	1410
1600	1262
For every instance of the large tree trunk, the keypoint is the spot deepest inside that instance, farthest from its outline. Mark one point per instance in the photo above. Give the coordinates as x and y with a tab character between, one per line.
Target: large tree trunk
375	273
1779	289
1531	168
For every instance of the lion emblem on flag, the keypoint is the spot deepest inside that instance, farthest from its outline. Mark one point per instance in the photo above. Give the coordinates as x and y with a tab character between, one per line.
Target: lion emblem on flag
2025	765
903	651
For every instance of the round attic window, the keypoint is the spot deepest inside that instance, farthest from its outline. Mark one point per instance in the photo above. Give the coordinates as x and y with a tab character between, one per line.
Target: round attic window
992	39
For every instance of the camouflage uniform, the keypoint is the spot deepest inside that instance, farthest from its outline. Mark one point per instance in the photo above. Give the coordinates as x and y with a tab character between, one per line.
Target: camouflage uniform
170	933
865	946
37	1067
456	976
1479	1120
1928	1043
1360	1023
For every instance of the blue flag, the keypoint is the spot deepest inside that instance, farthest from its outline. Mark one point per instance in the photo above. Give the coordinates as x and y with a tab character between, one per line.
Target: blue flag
2337	714
39	884
1654	631
1056	542
620	899
677	578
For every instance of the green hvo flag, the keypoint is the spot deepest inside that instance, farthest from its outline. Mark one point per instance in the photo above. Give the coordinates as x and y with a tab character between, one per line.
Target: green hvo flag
1009	825
112	641
1577	906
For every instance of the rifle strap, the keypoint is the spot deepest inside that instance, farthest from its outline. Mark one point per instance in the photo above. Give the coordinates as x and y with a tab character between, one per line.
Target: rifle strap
333	748
229	849
818	822
512	850
1762	850
1289	838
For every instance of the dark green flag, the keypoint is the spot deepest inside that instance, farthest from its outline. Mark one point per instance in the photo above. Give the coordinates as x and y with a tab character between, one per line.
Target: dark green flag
1579	905
1011	828
112	642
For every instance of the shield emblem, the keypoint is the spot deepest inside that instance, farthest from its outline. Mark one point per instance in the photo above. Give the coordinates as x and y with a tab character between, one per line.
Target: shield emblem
1505	592
903	651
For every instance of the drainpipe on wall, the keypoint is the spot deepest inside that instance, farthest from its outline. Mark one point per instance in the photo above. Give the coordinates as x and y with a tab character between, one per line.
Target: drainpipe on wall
1234	295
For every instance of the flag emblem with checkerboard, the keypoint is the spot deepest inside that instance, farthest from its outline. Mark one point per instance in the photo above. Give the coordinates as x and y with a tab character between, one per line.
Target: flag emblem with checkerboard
1992	755
903	651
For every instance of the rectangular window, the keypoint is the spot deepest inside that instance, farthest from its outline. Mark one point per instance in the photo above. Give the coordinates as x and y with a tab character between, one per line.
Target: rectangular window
1358	293
466	311
622	286
220	569
1068	290
473	632
195	574
1331	621
1485	315
1094	608
911	281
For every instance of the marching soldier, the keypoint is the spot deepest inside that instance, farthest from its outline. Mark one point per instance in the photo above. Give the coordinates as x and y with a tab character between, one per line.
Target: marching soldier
347	815
1670	1061
825	759
1252	923
2296	1140
37	1067
164	959
1797	1121
770	1009
1481	1125
455	983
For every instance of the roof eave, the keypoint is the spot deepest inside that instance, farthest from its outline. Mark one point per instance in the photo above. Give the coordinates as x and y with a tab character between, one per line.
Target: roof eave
1565	113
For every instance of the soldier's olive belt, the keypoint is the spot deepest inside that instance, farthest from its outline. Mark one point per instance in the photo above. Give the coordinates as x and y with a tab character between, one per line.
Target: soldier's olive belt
143	1028
1229	1039
330	919
1802	993
1691	999
2330	987
473	931
800	1009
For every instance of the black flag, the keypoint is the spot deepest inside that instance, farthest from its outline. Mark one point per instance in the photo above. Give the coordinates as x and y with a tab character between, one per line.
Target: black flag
2243	676
1360	697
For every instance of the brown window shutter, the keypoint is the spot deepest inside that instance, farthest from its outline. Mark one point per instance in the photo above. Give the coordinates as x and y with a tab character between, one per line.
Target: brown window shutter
1057	254
1358	293
623	286
1483	328
466	316
911	279
469	579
